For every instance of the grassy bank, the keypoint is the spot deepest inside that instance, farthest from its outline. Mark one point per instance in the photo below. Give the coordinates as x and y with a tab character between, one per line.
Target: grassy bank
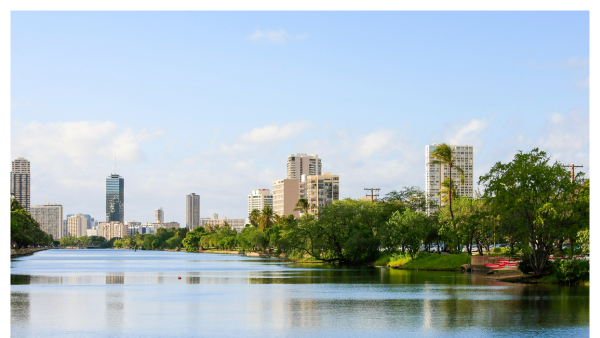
425	261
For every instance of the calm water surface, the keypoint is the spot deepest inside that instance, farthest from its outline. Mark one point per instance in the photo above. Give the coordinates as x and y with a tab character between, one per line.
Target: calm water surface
120	293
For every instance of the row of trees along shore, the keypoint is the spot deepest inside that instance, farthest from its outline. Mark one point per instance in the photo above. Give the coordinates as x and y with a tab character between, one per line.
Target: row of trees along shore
531	204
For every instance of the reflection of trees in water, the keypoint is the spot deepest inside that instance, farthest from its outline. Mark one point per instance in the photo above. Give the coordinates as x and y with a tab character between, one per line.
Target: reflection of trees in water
20	279
19	307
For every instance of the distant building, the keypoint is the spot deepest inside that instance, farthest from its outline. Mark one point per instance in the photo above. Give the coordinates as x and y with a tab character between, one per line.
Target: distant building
93	231
50	218
259	199
303	164
115	199
88	223
20	182
65	228
77	225
367	198
166	225
141	229
322	190
237	224
159	215
286	194
192	211
436	174
110	230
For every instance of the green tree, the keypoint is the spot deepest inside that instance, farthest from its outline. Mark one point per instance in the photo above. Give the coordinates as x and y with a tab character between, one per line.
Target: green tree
536	195
303	206
191	242
443	155
266	217
254	217
409	230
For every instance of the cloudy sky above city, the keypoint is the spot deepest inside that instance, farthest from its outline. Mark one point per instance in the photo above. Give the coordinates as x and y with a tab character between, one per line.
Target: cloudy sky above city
214	102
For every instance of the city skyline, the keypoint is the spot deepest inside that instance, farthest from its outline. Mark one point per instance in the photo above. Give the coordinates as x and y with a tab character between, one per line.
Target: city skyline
365	98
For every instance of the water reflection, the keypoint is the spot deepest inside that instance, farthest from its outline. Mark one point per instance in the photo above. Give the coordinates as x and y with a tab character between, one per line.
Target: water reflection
256	298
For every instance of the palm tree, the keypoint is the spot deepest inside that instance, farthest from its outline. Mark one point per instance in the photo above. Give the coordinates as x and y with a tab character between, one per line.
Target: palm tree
443	155
445	190
266	217
302	206
254	217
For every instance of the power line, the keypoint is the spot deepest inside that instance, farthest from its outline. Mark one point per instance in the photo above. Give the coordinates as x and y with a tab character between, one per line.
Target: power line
373	193
573	166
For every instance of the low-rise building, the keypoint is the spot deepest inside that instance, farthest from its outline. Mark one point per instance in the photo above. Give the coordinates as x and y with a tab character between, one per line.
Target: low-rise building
237	224
110	230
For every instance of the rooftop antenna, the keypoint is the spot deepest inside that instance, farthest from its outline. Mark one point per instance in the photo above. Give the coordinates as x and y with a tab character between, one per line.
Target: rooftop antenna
115	162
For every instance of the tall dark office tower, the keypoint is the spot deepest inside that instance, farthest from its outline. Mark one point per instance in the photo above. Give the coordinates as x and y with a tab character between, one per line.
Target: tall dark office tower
115	204
20	182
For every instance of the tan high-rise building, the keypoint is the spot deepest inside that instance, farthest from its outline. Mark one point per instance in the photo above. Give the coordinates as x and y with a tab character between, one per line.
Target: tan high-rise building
436	174
50	218
303	164
322	190
20	182
77	226
192	211
286	194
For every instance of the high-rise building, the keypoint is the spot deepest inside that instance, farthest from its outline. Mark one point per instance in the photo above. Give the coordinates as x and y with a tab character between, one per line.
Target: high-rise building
159	215
88	218
115	203
50	218
322	190
286	194
20	182
259	199
303	164
77	225
192	211
436	174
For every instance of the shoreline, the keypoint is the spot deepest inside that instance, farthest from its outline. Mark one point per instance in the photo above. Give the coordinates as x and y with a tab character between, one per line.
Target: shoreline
14	253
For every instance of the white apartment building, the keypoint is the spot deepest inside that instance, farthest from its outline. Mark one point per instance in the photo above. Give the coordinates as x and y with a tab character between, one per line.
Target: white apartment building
322	190
303	164
93	231
77	226
259	199
50	218
436	174
159	215
20	182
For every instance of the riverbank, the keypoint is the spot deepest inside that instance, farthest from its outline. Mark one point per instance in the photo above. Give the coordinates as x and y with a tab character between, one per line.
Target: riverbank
24	252
428	262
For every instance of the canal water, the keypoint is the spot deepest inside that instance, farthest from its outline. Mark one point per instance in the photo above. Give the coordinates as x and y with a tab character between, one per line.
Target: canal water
121	293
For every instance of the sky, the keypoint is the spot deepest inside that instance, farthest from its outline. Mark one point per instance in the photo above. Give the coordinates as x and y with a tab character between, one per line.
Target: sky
214	102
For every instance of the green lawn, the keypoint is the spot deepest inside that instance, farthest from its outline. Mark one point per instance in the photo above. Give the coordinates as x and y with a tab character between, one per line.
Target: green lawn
438	262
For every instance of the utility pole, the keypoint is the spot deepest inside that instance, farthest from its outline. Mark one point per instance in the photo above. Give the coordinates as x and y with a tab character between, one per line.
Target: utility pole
373	194
572	166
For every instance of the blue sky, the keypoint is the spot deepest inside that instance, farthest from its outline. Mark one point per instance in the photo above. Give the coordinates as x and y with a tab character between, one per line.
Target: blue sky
213	102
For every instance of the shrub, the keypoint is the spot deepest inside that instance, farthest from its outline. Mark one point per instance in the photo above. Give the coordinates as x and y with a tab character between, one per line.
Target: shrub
571	271
497	250
422	254
526	267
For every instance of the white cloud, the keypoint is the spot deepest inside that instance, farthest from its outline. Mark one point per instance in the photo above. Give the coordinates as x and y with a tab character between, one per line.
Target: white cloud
466	134
274	132
271	36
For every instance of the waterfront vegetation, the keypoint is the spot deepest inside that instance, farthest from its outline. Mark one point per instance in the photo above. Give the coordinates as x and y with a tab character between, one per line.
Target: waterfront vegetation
533	207
24	230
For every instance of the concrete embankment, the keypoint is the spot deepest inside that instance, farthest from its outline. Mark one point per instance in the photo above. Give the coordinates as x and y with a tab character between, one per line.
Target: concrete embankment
22	252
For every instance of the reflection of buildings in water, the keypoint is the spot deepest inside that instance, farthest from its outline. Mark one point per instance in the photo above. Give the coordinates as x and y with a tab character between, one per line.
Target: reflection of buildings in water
114	312
304	313
192	280
427	308
159	280
19	307
115	279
